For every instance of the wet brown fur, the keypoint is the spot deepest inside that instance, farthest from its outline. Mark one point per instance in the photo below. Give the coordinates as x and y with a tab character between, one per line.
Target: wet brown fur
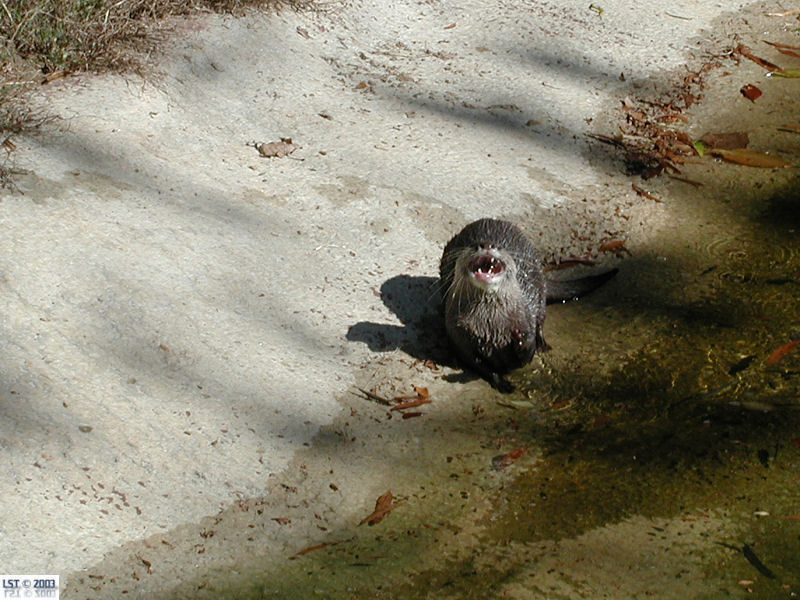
494	332
499	330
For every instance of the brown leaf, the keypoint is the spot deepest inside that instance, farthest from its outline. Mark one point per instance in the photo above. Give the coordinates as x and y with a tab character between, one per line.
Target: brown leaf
422	397
750	158
728	141
792	128
747	53
751	92
410	404
785	48
781	352
383	506
276	149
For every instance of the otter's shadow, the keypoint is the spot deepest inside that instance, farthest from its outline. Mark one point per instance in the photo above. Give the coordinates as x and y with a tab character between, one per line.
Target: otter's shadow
416	302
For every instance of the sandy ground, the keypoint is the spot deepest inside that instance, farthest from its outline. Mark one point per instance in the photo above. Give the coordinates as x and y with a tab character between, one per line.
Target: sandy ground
183	316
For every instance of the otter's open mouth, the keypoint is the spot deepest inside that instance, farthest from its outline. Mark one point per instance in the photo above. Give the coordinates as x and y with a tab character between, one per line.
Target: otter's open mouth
486	267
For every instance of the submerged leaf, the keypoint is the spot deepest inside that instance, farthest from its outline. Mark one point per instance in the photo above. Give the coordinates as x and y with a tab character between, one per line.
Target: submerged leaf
750	158
785	48
747	53
781	352
726	141
383	506
751	92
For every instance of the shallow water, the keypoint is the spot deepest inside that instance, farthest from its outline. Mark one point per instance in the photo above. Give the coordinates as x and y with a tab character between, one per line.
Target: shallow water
659	439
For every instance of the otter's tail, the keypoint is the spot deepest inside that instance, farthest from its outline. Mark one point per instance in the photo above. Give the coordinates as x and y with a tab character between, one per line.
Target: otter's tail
561	291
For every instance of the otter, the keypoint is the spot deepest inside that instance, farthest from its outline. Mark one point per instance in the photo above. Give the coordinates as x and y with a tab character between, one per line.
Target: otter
494	294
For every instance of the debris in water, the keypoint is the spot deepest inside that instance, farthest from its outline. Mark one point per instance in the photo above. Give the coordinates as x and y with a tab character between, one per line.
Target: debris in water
374	397
785	13
506	460
422	397
789	73
617	246
751	92
751	557
726	141
312	548
781	352
383	506
741	365
743	50
756	562
750	158
410	404
644	193
685	180
785	48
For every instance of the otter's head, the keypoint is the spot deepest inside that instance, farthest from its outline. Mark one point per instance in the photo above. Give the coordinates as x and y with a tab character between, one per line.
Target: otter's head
486	267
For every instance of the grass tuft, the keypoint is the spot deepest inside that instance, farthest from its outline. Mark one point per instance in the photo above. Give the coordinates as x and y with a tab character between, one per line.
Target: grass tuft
43	40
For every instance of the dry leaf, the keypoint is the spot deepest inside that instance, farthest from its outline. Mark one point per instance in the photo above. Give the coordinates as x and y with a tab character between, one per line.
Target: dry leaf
276	149
750	158
383	506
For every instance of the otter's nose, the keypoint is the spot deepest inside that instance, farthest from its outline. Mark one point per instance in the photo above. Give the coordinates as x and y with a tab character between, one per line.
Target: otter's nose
488	246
